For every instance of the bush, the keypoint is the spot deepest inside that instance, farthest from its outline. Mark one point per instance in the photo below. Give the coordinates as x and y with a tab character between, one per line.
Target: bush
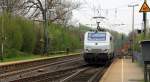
62	38
23	36
138	38
12	32
28	34
19	33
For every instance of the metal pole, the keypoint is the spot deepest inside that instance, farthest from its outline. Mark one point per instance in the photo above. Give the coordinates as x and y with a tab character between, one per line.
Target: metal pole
133	35
45	30
145	20
145	63
2	38
145	72
132	41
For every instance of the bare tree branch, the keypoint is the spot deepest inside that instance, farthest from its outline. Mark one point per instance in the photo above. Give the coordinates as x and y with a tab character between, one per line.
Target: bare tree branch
36	9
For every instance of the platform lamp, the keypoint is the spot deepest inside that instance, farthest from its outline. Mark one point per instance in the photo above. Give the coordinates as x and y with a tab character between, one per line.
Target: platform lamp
2	33
133	11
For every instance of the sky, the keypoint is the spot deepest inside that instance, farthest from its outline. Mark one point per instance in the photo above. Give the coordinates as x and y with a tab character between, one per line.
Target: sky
117	13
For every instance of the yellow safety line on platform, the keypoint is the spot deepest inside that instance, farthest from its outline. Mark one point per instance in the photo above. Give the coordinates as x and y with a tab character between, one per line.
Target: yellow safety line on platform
122	72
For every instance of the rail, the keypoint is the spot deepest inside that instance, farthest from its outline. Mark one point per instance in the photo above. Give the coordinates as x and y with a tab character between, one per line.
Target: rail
10	67
51	67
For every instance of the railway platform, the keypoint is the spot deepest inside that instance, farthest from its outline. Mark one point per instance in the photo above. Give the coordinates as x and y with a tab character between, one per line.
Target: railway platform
123	70
35	59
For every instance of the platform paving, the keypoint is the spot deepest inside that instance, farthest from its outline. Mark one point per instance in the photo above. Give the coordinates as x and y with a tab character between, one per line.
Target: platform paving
123	70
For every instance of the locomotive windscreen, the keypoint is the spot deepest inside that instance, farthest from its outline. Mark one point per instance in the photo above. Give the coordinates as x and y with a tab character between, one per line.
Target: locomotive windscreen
96	36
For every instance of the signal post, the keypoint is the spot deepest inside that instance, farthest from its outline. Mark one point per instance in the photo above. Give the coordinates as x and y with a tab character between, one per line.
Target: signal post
145	8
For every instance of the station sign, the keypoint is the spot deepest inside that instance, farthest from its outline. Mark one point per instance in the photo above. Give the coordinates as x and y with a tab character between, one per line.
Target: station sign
145	8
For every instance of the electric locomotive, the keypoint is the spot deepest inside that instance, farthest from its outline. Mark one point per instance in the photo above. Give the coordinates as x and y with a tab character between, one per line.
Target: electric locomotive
98	47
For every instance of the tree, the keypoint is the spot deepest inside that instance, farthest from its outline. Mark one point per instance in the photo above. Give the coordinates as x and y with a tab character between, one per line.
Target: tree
10	6
53	10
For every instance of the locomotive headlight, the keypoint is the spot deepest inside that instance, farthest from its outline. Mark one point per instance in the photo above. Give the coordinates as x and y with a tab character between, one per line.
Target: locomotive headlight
86	50
106	50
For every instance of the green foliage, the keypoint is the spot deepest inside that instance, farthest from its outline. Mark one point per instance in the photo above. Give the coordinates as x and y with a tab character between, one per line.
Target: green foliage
24	36
84	28
39	39
29	35
62	38
12	33
19	34
138	38
119	38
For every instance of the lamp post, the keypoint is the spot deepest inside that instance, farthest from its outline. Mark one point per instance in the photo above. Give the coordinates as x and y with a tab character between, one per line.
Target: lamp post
45	30
2	39
145	20
46	38
132	41
2	34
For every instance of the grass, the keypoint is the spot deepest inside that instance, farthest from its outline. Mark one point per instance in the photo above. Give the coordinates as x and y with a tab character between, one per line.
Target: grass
23	57
31	57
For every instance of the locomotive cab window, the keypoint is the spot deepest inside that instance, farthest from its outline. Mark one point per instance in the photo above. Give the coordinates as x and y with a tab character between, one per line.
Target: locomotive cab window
96	36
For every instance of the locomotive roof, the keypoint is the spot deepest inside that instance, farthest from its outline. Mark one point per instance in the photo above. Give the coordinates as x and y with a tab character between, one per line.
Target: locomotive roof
97	31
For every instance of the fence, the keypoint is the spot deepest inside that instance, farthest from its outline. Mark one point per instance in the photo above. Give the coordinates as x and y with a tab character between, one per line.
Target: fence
139	58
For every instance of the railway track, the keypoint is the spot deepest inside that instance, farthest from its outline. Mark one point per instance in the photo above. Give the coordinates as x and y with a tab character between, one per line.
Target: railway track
72	69
49	67
50	77
83	73
5	68
90	74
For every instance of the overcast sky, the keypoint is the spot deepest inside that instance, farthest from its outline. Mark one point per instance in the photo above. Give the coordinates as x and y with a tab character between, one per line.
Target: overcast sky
115	11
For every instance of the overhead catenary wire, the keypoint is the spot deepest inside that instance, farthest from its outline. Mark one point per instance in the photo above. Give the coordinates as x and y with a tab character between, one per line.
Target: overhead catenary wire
109	9
106	11
101	11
